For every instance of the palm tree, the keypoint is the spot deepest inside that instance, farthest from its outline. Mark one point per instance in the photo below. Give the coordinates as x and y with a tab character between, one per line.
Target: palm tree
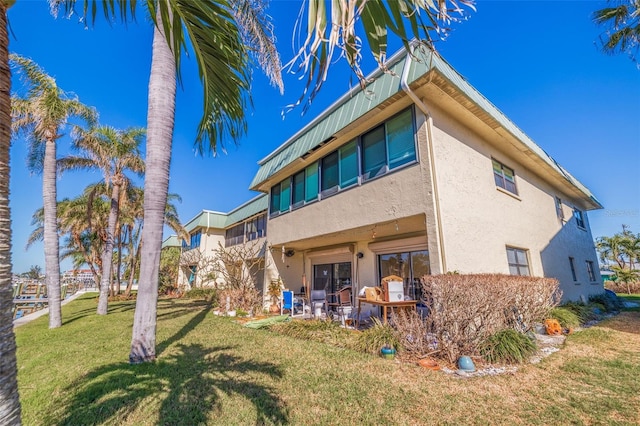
611	250
82	220
34	272
113	152
223	63
221	33
626	275
9	400
622	19
41	115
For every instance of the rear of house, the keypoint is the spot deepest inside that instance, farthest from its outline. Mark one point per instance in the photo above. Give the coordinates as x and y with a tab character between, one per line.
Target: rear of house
417	175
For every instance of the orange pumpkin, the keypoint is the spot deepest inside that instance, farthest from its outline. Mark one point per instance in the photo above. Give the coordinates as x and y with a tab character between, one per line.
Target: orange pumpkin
552	327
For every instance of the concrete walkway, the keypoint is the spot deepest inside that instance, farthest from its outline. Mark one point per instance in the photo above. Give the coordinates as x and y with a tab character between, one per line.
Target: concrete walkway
37	314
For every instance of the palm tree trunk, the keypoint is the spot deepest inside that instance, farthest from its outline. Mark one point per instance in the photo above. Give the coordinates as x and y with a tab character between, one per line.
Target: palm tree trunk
51	244
107	254
160	120
119	261
135	253
9	399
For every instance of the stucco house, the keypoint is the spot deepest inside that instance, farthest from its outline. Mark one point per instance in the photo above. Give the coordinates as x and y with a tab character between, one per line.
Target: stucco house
418	174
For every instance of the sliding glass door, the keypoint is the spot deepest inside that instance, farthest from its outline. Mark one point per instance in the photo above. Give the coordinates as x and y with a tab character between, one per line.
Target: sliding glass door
411	266
331	277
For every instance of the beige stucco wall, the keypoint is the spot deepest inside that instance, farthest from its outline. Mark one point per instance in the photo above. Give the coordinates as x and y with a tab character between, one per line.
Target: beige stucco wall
208	244
396	195
479	220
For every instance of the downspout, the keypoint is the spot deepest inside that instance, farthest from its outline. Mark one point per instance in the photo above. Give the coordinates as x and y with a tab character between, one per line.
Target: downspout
432	167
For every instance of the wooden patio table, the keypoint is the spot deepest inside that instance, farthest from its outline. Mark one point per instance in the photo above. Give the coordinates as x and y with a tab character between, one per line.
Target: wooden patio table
400	304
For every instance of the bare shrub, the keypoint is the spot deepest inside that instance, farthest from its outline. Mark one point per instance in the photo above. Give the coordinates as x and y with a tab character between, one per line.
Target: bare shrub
622	288
247	299
412	333
464	310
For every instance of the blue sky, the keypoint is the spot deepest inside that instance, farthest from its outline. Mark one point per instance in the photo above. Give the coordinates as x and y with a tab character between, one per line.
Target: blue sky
535	60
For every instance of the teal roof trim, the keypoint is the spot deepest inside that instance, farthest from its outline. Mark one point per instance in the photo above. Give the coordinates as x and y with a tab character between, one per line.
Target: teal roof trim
206	219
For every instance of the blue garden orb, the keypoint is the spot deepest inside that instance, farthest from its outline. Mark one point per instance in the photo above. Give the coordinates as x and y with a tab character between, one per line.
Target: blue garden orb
466	364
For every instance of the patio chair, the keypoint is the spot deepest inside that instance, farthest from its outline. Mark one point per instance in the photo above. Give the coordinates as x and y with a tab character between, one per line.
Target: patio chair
318	302
295	306
343	305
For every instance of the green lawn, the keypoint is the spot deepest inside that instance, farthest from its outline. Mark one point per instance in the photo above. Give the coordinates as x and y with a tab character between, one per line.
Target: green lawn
635	298
211	370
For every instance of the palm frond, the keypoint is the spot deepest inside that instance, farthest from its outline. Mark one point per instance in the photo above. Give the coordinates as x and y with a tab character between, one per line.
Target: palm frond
333	31
216	40
622	23
257	34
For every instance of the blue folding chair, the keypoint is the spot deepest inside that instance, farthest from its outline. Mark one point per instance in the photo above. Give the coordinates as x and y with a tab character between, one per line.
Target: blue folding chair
291	303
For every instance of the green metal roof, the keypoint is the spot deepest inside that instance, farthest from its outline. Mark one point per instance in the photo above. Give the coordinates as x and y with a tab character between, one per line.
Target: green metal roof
172	241
248	209
213	219
357	103
350	107
206	219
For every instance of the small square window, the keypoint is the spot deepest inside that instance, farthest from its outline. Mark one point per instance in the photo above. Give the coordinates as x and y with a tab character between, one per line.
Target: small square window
518	261
504	177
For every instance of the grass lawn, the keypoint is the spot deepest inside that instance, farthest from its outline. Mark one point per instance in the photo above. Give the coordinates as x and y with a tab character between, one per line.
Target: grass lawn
210	370
634	298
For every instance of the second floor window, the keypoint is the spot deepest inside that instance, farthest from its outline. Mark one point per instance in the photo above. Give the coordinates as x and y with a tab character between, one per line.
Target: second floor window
234	235
579	217
590	271
195	240
559	210
504	176
256	227
384	148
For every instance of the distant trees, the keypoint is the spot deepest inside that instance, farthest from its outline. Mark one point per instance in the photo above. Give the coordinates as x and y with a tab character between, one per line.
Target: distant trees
34	273
169	267
621	252
113	152
622	22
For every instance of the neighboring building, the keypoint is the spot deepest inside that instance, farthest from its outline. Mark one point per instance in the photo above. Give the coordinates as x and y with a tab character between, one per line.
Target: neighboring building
78	275
210	230
419	174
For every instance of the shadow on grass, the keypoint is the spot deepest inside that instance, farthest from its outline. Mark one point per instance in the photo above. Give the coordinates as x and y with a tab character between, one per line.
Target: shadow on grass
182	389
113	308
193	322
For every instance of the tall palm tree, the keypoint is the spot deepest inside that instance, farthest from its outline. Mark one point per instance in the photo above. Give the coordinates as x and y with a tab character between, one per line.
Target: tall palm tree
114	152
9	400
223	63
221	33
41	114
622	20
